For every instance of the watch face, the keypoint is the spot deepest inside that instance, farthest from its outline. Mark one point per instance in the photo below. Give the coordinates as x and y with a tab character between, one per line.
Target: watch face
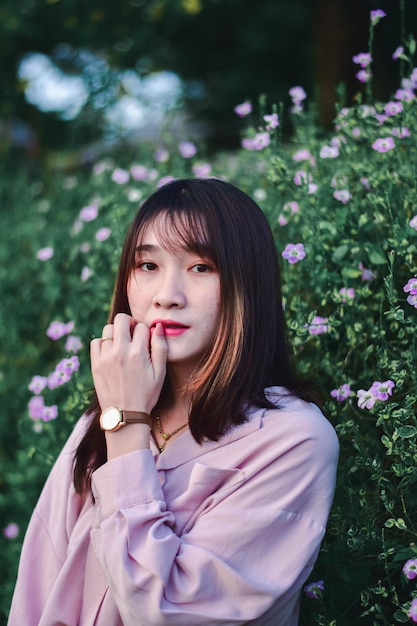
110	418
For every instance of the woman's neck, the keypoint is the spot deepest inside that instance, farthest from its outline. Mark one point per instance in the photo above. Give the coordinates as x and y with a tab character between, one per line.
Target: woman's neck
173	406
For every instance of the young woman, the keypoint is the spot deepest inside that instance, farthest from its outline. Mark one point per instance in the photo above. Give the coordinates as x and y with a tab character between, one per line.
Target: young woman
196	489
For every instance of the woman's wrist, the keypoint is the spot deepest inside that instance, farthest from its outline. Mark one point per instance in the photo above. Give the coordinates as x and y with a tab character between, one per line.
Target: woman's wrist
128	439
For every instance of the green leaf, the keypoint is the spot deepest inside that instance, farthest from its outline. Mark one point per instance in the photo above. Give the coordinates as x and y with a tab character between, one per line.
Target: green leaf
406	431
340	253
376	257
401	616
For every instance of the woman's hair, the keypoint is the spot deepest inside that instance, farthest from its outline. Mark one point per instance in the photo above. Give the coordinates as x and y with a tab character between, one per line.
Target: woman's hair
250	351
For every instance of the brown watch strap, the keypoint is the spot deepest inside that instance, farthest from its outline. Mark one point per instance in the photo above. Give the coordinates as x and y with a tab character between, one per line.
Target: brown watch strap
137	417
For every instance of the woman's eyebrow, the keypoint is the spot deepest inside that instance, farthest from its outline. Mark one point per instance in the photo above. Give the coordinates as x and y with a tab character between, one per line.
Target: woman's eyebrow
146	247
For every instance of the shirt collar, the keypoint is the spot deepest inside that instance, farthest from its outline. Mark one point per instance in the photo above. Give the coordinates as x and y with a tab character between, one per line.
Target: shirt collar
184	448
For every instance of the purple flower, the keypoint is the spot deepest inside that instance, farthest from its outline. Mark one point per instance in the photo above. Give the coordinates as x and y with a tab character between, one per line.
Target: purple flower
260	141
329	152
314	590
73	344
382	391
363	76
347	293
187	149
401	132
297	94
56	329
410	569
367	274
412	300
383	144
405	94
139	172
363	59
35	407
243	109
68	365
397	53
366	399
201	170
341	393
413	222
120	176
86	273
393	108
294	252
103	233
49	413
376	16
304	155
89	213
11	531
292	207
57	379
164	180
44	254
272	121
319	325
381	118
37	384
301	178
289	208
411	286
343	195
412	611
161	155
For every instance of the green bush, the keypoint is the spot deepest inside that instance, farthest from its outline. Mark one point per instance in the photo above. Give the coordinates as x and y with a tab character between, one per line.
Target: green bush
345	204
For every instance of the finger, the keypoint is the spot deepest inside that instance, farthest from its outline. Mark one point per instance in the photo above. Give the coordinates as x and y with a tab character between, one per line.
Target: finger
159	349
122	328
108	331
95	350
141	335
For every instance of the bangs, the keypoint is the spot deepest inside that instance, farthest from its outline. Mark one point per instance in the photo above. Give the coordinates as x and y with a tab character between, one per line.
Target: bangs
181	229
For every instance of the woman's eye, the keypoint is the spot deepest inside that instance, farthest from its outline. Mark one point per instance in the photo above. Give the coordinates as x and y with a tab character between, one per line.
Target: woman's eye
146	266
201	268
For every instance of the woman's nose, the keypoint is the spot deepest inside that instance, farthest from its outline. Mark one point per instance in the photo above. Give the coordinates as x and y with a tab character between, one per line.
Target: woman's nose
170	293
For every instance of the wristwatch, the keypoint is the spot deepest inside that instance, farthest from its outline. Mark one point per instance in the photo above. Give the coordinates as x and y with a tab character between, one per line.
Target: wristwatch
113	418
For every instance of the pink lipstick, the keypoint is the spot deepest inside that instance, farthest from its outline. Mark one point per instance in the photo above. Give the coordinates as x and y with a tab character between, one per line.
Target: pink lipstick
171	327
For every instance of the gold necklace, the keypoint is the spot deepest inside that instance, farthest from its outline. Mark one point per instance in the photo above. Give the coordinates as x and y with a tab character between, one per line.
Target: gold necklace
167	436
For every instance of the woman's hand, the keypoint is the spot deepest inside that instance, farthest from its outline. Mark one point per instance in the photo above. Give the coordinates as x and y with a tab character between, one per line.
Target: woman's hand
129	366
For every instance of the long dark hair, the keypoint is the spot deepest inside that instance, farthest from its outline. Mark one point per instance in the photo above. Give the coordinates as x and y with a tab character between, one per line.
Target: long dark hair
250	351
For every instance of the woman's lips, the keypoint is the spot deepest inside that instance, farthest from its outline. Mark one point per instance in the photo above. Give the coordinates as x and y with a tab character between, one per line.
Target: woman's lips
172	331
171	328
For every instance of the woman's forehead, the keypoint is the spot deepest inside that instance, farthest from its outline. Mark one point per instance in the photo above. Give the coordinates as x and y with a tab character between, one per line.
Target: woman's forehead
174	230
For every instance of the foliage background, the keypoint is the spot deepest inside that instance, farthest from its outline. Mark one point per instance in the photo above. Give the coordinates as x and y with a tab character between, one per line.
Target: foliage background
368	337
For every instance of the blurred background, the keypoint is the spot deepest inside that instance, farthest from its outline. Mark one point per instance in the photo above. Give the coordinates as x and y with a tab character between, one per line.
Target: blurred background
80	75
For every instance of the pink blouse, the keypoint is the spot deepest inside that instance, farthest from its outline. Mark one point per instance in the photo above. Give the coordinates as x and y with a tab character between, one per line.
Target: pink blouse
219	534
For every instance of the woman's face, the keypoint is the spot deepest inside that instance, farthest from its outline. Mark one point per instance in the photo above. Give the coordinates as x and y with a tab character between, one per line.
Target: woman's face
180	289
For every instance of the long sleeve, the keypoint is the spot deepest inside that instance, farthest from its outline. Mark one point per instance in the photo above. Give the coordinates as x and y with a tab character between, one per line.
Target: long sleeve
223	537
